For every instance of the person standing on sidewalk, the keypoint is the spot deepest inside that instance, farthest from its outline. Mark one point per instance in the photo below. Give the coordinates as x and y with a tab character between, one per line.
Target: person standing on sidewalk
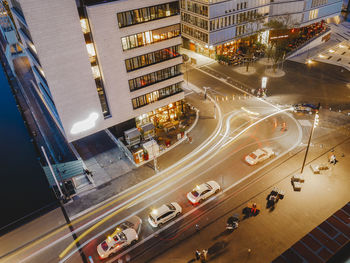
204	256
333	159
197	254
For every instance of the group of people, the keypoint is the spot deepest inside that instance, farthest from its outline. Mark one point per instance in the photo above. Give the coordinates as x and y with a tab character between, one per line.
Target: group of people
202	256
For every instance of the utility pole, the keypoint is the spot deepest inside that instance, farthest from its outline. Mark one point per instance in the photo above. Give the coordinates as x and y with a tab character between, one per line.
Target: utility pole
155	160
52	172
315	123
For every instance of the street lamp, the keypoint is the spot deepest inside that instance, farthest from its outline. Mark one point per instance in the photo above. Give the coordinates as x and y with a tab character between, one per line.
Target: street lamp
315	123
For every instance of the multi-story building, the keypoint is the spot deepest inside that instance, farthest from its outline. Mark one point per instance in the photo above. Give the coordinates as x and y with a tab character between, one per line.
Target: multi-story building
207	25
103	63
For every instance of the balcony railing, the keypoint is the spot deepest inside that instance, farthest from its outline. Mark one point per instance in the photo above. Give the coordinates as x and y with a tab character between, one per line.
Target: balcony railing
18	13
33	56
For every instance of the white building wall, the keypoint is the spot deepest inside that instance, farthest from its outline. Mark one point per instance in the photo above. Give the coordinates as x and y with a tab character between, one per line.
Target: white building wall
58	38
107	38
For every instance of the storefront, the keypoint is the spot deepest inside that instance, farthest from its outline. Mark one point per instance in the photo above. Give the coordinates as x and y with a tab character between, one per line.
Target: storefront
208	51
163	115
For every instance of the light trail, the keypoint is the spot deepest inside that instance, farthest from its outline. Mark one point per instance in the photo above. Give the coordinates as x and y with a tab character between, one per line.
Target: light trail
227	130
212	198
124	194
146	194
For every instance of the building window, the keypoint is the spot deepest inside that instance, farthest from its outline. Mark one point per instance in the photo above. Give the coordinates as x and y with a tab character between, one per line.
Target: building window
151	58
194	20
316	3
150	37
197	8
313	14
154	96
84	25
195	33
154	77
142	15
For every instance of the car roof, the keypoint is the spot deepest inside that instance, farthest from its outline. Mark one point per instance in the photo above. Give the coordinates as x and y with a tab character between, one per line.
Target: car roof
201	188
259	152
162	209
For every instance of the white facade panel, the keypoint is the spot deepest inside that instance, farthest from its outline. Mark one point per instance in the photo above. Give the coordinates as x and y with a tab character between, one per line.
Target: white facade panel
58	38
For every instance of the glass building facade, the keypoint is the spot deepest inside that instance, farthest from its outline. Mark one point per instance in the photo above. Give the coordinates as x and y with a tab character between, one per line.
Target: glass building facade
154	77
151	58
160	94
146	14
150	37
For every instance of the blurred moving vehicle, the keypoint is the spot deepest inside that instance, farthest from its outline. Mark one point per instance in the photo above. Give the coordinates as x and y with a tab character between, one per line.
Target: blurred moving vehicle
305	108
163	214
259	155
203	191
124	235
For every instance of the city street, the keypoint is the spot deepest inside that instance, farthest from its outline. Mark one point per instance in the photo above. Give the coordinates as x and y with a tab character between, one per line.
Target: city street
245	124
175	131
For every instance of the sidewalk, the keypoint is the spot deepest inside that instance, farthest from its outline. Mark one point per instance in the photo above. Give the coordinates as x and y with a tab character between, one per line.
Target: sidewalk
264	237
204	128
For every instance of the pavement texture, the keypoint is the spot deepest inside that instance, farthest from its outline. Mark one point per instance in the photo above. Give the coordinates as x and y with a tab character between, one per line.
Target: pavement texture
323	241
106	160
266	236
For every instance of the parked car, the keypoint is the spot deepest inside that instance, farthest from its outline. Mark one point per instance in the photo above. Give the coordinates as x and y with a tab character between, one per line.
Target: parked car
259	155
163	214
125	234
203	191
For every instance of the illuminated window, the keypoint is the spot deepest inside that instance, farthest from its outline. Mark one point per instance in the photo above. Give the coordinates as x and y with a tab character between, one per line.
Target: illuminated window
84	25
96	72
32	47
91	50
313	14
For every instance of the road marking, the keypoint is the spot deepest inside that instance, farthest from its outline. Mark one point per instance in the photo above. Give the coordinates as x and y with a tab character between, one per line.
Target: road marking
227	130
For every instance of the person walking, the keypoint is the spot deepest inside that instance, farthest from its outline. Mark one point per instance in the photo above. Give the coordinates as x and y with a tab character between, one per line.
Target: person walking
204	256
333	159
197	254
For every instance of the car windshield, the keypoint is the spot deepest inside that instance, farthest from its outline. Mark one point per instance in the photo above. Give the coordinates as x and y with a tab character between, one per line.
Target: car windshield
252	155
126	225
119	237
104	245
208	186
195	193
170	206
151	217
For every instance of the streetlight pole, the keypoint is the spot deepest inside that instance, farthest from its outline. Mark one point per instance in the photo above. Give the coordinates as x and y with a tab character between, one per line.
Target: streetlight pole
315	123
154	160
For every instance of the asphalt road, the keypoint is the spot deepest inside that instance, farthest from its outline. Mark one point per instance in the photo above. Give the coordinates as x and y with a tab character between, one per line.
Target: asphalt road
220	159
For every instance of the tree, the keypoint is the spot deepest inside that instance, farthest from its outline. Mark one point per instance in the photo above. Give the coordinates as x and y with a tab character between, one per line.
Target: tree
278	47
253	26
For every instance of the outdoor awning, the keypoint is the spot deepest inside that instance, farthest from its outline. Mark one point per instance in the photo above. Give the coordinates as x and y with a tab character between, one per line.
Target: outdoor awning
132	133
64	171
147	127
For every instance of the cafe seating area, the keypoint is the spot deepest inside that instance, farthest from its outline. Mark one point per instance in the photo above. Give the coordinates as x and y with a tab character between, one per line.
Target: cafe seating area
164	134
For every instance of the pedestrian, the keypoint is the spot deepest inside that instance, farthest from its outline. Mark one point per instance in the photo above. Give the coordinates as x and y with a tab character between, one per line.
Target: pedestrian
205	253
333	159
197	254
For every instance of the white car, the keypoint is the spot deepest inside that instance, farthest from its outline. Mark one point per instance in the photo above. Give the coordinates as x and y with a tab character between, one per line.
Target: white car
164	213
125	234
203	191
259	155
